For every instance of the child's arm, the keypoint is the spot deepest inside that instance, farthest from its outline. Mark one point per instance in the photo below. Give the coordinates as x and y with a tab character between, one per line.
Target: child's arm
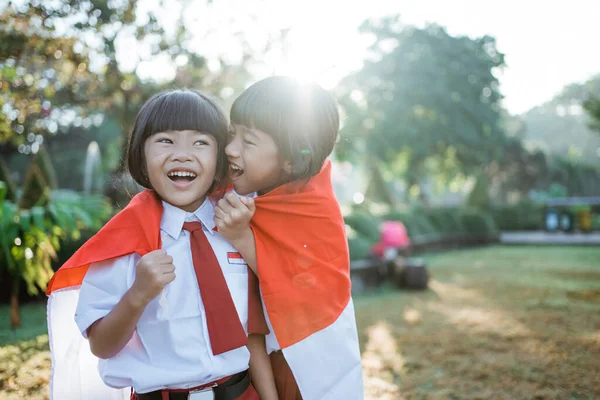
110	334
232	217
260	368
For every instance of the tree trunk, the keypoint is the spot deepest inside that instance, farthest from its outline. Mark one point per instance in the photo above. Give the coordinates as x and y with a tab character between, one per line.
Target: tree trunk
15	315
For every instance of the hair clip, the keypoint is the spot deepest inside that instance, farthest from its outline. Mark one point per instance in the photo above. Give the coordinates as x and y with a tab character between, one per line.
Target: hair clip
305	151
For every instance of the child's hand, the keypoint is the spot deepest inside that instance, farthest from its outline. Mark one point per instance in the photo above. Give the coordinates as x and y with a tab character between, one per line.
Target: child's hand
233	215
152	273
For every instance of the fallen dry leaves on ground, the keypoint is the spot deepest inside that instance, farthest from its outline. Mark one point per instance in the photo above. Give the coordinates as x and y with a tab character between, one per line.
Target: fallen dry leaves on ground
497	323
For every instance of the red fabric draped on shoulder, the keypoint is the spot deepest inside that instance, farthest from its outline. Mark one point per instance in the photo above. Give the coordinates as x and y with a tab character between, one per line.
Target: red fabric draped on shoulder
301	248
135	229
302	256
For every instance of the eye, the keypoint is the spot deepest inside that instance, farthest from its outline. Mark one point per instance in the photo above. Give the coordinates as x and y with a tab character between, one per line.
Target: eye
201	143
248	142
163	140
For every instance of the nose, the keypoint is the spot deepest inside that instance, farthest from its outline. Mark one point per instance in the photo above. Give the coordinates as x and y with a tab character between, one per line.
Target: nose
181	152
232	150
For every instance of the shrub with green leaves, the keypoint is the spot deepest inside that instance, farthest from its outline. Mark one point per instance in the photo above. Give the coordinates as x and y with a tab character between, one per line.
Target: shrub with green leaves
446	220
360	247
523	216
478	222
34	220
365	225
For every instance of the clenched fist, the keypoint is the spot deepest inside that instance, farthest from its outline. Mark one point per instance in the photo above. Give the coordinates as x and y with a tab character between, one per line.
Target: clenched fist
233	215
152	273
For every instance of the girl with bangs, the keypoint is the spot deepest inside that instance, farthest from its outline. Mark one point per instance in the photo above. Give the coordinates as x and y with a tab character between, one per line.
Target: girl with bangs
286	222
165	302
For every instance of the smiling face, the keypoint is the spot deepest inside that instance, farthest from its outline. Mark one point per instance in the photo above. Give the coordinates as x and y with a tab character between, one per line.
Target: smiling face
255	164
281	129
181	166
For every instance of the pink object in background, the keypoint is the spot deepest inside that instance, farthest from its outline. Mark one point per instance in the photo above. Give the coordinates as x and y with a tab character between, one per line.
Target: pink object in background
393	235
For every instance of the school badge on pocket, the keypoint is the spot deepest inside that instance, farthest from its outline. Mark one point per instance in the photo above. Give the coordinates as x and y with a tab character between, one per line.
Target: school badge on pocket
235	258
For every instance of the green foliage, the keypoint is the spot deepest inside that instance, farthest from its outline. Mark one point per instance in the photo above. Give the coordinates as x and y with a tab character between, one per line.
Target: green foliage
446	220
32	226
34	324
425	103
571	178
35	189
595	226
360	247
479	196
9	186
557	190
518	170
43	162
443	221
592	106
415	222
523	216
365	225
478	222
58	85
559	128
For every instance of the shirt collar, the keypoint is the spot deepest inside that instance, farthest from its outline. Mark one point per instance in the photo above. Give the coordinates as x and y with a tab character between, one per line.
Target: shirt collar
173	218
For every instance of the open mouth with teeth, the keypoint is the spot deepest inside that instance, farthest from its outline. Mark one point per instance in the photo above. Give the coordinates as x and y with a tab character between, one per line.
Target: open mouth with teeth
235	171
181	176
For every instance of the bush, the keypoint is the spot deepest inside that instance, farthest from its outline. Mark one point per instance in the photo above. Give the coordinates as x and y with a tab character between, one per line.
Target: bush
479	196
524	216
360	247
595	222
364	225
415	221
478	222
426	227
447	220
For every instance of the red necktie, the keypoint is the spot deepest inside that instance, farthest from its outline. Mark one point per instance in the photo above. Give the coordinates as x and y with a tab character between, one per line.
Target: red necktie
224	327
257	324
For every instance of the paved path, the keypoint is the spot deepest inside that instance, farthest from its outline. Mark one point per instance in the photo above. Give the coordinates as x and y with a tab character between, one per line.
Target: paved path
550	238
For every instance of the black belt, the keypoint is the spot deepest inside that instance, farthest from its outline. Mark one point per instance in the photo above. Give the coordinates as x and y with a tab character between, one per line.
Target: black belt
230	390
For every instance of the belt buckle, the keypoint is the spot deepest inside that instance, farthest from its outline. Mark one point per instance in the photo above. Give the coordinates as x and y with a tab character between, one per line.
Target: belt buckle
202	394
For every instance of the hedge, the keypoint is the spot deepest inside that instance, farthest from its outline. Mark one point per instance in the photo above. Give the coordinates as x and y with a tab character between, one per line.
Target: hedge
431	224
365	225
524	216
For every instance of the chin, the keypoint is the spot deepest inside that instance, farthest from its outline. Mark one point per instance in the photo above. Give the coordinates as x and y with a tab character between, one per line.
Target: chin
239	189
187	203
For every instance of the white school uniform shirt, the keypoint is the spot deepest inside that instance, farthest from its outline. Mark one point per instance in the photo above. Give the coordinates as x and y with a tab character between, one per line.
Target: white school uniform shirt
170	347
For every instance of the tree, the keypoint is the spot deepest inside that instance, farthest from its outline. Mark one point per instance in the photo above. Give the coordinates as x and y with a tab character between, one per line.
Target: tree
33	221
592	106
46	63
560	127
62	77
426	102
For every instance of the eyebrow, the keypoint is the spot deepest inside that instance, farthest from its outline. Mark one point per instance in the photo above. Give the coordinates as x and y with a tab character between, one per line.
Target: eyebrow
251	132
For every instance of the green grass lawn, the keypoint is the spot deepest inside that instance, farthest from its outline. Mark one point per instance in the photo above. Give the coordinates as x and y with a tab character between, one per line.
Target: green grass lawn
497	323
24	354
33	319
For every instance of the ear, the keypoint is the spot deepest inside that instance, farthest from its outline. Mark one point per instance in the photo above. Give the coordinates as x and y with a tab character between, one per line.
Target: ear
287	167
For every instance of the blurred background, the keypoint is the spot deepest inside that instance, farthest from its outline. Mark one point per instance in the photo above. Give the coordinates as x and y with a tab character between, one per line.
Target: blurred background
468	159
